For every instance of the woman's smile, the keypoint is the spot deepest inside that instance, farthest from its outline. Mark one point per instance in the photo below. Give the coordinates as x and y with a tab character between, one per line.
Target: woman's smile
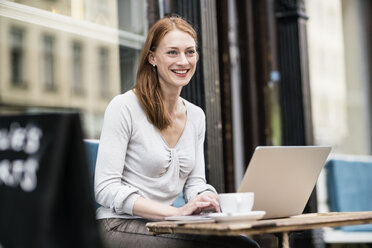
180	73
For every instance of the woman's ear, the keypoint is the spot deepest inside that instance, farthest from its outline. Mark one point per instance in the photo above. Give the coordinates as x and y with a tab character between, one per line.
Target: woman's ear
151	58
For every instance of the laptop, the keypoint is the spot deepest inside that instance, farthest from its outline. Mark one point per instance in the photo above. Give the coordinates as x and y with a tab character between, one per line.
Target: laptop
283	177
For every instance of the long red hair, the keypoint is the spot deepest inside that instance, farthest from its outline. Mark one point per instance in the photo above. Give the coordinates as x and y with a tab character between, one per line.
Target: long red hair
147	87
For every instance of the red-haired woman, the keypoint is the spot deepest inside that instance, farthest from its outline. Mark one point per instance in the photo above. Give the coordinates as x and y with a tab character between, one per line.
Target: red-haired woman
151	148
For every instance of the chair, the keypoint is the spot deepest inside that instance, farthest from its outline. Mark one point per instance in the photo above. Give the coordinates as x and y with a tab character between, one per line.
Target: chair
91	146
349	188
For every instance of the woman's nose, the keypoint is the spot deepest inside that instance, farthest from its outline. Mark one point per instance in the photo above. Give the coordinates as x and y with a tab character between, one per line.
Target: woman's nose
182	59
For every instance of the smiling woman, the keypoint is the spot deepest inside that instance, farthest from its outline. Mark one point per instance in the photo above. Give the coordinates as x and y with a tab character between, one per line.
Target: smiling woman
168	59
151	148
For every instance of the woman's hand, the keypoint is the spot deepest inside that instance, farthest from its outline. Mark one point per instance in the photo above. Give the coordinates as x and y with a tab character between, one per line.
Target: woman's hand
207	201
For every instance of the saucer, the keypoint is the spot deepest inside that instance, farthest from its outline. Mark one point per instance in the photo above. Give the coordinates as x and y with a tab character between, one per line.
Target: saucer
224	217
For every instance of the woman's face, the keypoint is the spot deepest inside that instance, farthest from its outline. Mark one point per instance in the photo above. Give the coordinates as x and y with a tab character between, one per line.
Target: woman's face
175	59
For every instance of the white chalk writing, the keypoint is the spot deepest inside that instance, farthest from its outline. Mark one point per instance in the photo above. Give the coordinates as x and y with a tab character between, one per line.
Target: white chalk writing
20	139
20	172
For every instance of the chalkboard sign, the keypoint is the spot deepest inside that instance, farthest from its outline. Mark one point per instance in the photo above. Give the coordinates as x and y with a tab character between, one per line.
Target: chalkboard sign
46	199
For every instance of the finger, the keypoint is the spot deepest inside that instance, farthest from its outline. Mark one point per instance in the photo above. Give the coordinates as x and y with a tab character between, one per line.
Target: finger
211	197
199	206
216	205
203	204
214	202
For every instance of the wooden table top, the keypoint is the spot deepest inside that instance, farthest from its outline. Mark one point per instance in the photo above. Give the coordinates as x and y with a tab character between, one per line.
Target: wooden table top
294	223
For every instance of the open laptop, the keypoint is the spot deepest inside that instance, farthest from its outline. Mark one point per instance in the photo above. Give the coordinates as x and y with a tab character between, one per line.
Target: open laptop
283	177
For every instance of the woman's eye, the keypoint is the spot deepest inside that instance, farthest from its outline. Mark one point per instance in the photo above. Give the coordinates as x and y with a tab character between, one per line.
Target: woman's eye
172	52
190	52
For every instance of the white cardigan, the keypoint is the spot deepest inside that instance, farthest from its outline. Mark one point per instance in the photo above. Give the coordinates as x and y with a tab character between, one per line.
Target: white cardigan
135	160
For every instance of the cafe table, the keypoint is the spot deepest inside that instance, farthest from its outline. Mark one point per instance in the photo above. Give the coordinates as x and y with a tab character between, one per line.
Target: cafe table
283	226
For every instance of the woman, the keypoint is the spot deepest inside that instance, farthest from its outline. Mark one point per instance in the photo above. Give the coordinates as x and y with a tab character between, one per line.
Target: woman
151	146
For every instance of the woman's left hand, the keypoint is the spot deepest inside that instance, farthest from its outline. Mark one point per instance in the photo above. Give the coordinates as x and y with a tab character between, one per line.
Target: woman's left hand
209	197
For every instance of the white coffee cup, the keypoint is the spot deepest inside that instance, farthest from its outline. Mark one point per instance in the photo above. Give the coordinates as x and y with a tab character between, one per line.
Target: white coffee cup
232	203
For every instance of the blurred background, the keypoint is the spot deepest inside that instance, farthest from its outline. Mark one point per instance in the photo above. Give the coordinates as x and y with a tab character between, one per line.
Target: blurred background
271	72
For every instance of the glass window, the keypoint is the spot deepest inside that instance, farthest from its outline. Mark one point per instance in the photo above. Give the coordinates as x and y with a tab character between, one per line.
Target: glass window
130	17
104	77
339	80
128	67
17	56
48	63
77	68
80	54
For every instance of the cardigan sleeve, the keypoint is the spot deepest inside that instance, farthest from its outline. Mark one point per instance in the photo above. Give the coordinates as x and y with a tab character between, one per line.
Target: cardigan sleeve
110	190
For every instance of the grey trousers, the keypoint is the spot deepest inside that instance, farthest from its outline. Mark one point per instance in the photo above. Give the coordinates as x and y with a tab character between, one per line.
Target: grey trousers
117	233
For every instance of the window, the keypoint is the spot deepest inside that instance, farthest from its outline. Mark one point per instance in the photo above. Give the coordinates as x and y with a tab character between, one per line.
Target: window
128	67
48	62
77	68
85	49
130	18
340	83
103	72
17	56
